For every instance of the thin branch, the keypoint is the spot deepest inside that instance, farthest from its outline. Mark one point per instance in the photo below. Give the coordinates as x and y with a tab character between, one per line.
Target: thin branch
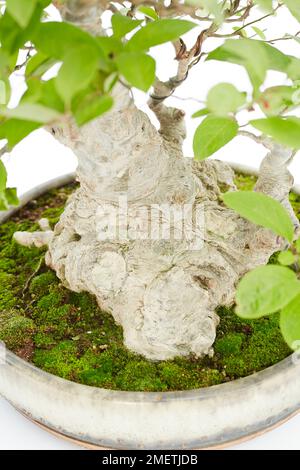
237	31
284	38
189	98
259	139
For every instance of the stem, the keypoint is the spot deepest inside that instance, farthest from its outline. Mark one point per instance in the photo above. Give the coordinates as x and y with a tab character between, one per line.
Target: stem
237	31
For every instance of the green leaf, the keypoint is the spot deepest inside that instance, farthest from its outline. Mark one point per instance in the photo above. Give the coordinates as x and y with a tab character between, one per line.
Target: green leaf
200	113
284	130
241	32
12	36
293	68
276	99
57	40
138	69
11	196
44	93
256	56
294	7
246	52
7	62
2	92
91	107
110	46
210	7
259	32
39	64
212	134
78	69
277	60
3	176
290	323
149	12
3	202
286	258
31	112
15	130
159	32
266	290
261	210
297	244
266	5
110	82
123	24
225	98
21	10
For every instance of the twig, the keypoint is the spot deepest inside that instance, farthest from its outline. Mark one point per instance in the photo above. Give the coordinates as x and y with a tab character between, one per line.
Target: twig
189	98
284	38
259	139
237	31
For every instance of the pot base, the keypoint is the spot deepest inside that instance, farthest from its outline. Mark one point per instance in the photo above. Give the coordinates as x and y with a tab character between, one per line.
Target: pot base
87	446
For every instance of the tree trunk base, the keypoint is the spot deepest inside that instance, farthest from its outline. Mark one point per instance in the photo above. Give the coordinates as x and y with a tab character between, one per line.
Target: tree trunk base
163	292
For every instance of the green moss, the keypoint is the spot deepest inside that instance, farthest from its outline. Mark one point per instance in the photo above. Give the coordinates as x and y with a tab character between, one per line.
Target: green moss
44	339
15	329
7	296
41	284
230	344
244	182
60	360
260	344
140	375
66	334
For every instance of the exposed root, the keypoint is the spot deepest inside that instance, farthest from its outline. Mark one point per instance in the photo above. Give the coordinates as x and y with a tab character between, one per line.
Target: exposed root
38	239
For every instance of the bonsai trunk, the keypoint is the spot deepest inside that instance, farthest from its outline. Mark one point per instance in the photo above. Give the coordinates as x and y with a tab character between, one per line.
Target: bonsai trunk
147	232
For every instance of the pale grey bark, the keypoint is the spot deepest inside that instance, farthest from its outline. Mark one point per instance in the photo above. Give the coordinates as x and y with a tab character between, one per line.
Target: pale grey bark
162	292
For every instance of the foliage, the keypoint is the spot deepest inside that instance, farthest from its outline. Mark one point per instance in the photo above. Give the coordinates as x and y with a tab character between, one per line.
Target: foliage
261	210
66	333
87	61
270	289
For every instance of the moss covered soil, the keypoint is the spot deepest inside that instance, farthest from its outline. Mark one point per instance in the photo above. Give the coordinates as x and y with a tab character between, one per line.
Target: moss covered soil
66	333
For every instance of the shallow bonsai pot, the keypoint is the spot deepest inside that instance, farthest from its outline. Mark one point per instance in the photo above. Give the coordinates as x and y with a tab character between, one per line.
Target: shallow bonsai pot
197	419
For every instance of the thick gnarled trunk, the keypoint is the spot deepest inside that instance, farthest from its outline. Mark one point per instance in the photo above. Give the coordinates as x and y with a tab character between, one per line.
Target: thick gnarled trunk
163	292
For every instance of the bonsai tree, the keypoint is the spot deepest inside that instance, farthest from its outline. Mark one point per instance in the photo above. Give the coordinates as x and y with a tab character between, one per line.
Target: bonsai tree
134	178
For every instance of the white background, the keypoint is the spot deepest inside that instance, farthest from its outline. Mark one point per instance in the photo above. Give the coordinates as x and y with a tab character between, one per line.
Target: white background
39	158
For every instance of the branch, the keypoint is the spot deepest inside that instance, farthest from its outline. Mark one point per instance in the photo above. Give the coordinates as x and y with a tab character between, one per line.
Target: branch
237	31
171	119
186	59
259	139
83	13
284	38
275	179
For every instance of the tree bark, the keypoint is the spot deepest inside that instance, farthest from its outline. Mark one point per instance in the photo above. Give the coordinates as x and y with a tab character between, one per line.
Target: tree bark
163	290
